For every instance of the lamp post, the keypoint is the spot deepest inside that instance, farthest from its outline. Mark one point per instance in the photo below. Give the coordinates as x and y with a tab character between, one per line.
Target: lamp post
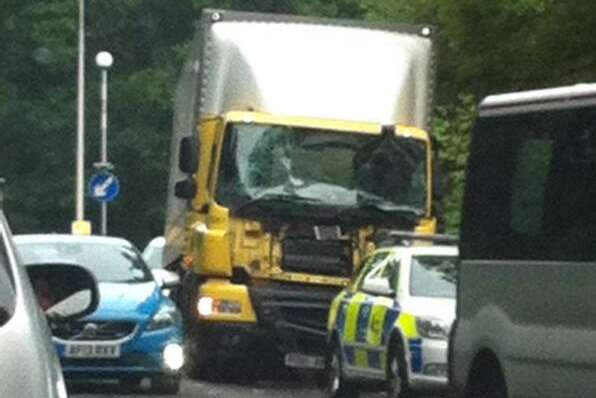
80	225
104	61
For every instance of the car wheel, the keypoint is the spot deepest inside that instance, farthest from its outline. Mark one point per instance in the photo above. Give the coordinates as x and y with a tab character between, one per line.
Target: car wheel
337	387
486	383
165	384
397	373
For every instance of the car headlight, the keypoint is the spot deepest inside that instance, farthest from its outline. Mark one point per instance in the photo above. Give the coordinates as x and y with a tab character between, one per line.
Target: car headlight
433	328
208	306
173	356
164	318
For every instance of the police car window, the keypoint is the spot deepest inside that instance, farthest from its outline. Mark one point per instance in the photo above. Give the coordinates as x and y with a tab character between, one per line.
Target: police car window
433	276
7	287
379	270
371	265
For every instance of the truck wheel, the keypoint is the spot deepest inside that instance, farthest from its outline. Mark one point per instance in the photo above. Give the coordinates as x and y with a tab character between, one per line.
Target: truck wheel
397	373
165	384
199	364
337	387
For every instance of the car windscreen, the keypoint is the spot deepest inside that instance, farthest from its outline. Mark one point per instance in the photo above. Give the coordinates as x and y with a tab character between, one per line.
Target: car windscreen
433	276
108	262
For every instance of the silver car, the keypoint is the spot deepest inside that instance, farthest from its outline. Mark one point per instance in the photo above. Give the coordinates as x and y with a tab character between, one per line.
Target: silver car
32	369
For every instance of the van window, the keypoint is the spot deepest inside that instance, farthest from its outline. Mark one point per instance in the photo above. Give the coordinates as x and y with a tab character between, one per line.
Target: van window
531	187
7	287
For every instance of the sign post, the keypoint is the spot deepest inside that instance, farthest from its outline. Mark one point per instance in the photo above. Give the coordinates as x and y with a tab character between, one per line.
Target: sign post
104	61
104	187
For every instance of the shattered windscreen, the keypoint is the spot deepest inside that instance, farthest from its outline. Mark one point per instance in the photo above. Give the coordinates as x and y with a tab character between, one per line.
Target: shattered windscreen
269	164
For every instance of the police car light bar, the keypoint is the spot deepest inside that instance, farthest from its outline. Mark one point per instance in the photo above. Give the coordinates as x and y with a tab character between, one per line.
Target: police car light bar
407	238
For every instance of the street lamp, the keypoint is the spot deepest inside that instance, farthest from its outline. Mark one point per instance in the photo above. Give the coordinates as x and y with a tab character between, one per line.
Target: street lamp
104	61
80	225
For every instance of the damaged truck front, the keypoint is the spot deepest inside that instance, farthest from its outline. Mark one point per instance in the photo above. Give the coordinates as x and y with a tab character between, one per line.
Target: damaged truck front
297	143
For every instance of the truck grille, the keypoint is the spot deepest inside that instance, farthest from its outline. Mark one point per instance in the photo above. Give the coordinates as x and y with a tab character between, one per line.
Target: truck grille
322	257
296	313
94	330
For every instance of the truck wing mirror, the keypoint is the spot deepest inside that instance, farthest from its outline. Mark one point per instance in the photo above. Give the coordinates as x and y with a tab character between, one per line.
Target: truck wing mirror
185	189
188	160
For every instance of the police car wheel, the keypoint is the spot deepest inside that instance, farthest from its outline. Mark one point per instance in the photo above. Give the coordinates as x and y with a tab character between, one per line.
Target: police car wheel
397	383
337	387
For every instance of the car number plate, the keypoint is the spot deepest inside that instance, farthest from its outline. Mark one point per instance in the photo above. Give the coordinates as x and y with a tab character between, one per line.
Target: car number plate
92	350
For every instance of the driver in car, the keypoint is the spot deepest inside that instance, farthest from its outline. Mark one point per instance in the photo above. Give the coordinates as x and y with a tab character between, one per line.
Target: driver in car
43	293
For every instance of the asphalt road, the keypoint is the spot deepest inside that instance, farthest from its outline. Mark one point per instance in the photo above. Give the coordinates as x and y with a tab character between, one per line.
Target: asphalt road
198	389
256	378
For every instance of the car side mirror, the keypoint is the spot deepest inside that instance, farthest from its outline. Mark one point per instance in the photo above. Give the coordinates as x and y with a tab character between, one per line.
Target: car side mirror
64	291
188	159
166	279
185	189
378	286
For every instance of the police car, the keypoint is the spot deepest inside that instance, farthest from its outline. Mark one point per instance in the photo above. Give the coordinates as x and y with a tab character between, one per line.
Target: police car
389	328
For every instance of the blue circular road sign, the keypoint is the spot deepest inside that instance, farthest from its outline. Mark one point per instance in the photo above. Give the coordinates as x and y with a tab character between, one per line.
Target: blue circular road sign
104	187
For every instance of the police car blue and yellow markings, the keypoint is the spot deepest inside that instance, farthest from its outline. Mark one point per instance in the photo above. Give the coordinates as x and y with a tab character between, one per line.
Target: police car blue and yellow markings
363	323
407	324
337	312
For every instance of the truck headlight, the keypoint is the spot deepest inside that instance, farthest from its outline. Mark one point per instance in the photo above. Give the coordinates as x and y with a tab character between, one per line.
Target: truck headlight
208	306
433	328
164	318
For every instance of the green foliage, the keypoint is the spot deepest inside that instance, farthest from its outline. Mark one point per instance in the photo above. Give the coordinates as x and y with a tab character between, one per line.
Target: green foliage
452	128
482	47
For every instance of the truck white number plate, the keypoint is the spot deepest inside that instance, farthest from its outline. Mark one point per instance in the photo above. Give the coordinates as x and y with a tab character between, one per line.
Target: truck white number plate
92	350
294	360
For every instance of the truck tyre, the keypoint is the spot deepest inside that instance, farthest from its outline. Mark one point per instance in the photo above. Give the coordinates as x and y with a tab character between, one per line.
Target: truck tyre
165	384
337	386
187	300
199	364
397	372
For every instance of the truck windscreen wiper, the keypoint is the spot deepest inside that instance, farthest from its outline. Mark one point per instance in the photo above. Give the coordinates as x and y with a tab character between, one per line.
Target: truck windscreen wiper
273	199
381	211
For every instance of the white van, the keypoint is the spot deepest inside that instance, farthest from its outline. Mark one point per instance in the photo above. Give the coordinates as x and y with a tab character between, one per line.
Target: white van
526	304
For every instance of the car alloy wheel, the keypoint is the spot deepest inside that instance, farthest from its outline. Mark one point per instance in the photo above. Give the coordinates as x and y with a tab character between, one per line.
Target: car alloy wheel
395	381
336	385
334	375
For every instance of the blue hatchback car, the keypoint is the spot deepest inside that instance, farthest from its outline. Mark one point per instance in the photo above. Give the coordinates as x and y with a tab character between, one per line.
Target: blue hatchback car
136	332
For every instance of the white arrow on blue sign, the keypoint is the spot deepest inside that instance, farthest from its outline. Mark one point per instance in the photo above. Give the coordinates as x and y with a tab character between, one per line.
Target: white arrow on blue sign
104	187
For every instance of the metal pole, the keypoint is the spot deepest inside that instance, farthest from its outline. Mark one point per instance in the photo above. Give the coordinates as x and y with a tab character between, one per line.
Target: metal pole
80	175
104	141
